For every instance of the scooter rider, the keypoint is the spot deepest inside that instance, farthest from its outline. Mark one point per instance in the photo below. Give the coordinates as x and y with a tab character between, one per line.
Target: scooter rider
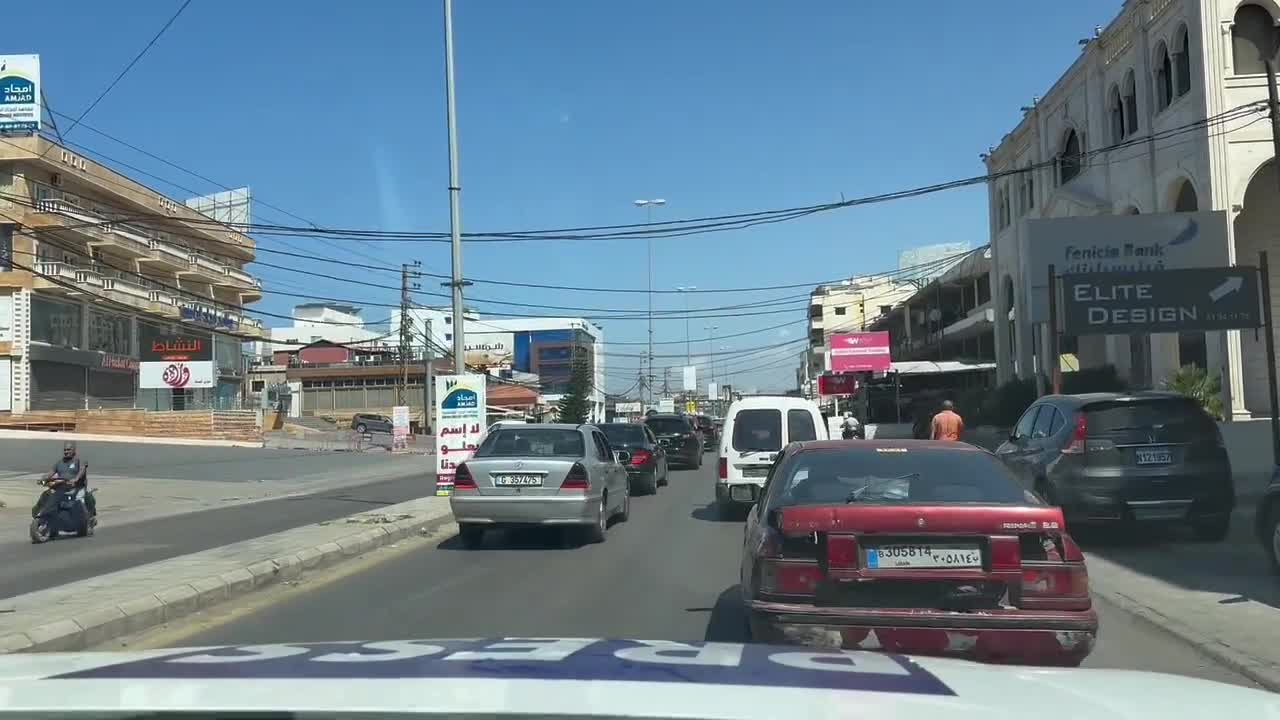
73	470
849	428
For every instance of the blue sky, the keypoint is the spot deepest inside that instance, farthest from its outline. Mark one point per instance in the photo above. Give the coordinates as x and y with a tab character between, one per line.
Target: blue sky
569	110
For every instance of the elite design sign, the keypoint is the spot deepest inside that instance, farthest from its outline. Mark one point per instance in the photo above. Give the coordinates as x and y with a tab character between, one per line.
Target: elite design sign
1120	303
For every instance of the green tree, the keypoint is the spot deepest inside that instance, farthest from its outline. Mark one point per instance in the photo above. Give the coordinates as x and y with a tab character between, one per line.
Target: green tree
575	406
1200	386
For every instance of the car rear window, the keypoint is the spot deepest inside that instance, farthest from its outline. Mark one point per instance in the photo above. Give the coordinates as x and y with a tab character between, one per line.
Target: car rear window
759	429
1171	419
630	435
894	476
800	426
532	442
668	426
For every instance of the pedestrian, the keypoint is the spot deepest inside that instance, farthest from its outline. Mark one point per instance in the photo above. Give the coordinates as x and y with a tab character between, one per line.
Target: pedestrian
849	428
947	424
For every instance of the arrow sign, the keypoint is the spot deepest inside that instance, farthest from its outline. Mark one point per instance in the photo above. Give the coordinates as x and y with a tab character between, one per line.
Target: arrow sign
1228	286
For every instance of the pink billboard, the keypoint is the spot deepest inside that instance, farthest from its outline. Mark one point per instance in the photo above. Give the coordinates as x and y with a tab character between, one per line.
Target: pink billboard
860	352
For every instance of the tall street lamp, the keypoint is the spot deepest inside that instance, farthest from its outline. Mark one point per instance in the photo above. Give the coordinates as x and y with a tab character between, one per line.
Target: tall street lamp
688	352
648	206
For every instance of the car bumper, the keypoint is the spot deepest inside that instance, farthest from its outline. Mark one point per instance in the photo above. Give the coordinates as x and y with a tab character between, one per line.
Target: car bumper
642	474
506	510
1083	506
1059	638
738	493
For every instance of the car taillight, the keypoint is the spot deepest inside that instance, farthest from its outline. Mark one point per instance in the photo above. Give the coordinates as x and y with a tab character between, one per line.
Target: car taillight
778	575
462	479
1055	586
1079	436
576	479
639	457
723	468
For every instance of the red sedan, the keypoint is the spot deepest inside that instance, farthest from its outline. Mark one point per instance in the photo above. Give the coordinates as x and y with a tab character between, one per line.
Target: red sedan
920	547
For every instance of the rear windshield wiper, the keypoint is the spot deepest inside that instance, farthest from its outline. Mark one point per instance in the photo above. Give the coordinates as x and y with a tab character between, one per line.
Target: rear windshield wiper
748	451
858	494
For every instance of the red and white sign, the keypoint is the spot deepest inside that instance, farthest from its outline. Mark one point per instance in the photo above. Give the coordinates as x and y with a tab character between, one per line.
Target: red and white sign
860	352
837	384
175	375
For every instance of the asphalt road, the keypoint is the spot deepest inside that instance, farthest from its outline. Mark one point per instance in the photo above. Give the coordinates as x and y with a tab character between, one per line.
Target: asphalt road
29	567
179	462
668	573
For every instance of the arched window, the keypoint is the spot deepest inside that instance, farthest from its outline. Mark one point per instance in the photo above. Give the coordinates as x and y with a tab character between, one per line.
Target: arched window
1254	39
1069	160
1181	61
1164	77
1186	200
1129	98
1115	113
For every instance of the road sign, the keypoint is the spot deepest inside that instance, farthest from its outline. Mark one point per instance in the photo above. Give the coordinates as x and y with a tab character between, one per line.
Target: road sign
1162	301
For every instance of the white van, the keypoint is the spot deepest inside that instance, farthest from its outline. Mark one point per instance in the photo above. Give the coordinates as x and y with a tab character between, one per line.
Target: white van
755	430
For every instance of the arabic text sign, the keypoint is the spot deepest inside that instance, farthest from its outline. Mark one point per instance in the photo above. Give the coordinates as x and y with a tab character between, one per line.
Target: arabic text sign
489	349
460	422
860	352
400	420
175	375
171	348
1156	302
1118	243
640	661
19	93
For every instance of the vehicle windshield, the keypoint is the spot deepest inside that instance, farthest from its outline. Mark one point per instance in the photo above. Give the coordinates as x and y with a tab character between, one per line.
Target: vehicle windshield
625	435
668	426
1170	419
889	476
532	442
759	429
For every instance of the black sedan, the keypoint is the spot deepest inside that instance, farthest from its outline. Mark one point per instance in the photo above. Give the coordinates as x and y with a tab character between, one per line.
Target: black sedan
677	435
647	468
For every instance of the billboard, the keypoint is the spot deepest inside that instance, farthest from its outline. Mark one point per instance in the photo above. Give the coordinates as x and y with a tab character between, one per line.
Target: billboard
231	207
829	384
1117	244
19	93
460	407
489	349
860	352
690	379
174	347
175	375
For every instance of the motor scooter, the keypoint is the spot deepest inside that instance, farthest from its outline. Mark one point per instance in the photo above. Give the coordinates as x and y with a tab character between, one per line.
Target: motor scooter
58	511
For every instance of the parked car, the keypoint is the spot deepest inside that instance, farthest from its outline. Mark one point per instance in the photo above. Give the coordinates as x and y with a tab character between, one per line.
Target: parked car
677	435
1266	521
1106	458
365	423
546	475
755	429
647	467
911	546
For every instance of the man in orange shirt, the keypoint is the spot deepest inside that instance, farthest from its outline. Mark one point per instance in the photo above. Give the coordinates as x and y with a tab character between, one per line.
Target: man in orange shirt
947	425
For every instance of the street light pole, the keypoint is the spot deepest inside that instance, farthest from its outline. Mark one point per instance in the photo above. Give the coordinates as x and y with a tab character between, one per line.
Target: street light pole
455	211
648	206
688	348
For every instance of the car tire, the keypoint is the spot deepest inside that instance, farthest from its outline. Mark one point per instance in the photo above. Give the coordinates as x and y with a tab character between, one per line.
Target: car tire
1214	530
1271	537
595	533
698	464
361	428
625	513
652	487
666	477
471	536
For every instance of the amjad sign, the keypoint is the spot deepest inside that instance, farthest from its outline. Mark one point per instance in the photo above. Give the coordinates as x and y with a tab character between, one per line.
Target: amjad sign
860	352
1161	302
19	93
460	412
1116	244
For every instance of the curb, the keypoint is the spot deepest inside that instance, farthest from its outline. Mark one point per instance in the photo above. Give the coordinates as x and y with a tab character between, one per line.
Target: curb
133	439
147	611
1247	665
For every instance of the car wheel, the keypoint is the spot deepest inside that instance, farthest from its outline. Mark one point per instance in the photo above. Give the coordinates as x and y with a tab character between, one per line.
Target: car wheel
595	532
625	513
40	531
1214	530
652	487
666	477
698	464
361	428
471	536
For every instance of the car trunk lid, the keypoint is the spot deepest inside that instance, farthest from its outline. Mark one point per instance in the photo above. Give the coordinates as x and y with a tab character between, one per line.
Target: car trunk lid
523	477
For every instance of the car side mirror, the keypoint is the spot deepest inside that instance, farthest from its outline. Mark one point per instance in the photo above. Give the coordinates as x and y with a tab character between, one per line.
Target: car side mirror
623	456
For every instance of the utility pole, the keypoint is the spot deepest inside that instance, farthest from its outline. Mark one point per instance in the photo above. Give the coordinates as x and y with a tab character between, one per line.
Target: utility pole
406	327
455	211
666	382
648	206
428	380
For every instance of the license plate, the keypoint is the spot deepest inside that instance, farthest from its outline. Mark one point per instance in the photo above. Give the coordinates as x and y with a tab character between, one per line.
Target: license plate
890	557
517	480
1160	512
1154	457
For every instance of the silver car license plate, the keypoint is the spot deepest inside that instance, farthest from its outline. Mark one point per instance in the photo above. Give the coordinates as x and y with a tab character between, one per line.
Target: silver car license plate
1154	457
517	480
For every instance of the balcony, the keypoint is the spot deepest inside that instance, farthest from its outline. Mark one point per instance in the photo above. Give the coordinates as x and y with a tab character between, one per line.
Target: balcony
169	257
203	269
55	276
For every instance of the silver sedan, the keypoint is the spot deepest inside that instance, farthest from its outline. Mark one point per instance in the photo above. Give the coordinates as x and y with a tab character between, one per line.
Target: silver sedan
544	475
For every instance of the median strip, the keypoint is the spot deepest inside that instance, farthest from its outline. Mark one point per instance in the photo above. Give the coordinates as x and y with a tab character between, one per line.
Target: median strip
89	612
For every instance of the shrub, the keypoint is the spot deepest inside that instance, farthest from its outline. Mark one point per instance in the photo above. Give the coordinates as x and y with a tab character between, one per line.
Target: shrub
1199	385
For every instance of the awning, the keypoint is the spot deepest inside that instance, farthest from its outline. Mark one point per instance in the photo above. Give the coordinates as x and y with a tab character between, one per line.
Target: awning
929	367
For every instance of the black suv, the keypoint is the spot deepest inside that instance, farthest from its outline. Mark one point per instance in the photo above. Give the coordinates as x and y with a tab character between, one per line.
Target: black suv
1111	457
368	423
677	435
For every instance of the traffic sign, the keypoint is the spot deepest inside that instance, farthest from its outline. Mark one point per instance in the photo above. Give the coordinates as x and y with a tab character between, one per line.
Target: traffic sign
1161	301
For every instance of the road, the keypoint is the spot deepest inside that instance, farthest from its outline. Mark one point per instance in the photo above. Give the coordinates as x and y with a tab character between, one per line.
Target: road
667	573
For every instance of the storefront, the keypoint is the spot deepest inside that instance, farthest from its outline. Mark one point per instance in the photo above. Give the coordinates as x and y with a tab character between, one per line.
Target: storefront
77	364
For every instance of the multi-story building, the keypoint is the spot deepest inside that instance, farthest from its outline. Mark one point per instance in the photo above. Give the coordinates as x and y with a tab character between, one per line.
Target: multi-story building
339	323
1141	124
949	318
97	271
848	306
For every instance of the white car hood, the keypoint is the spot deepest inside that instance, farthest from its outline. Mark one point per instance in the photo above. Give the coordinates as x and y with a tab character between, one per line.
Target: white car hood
602	678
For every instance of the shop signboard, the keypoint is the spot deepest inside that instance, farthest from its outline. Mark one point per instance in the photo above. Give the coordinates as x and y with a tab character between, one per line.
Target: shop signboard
460	406
20	93
208	317
860	352
175	375
628	408
1169	301
831	384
